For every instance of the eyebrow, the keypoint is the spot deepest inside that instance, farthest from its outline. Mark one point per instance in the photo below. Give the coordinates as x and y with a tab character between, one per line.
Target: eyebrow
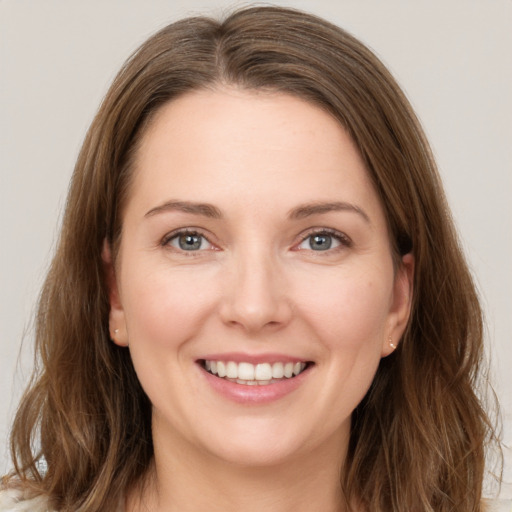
204	209
300	212
307	210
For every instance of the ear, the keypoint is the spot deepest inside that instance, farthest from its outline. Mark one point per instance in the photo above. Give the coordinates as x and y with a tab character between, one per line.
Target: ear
116	318
401	304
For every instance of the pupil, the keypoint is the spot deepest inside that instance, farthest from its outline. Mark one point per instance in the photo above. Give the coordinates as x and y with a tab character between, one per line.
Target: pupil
190	242
320	242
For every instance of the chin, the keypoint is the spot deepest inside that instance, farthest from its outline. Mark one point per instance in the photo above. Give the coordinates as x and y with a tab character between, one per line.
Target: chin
260	442
256	453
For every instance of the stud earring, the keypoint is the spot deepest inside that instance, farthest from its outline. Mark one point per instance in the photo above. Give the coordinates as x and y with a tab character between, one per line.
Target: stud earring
116	331
390	341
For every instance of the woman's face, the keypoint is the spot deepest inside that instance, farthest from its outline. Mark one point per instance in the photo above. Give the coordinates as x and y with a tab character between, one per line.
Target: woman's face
254	244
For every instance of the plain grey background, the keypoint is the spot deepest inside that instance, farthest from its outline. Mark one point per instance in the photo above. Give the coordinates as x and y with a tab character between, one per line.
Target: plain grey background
57	58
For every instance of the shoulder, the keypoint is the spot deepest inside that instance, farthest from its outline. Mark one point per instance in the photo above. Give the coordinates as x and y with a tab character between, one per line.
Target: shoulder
13	500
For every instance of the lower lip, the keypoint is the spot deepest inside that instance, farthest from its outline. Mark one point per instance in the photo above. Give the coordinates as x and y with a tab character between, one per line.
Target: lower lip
256	394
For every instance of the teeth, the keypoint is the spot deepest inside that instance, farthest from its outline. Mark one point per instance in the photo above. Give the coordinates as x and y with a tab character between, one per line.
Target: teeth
278	370
247	382
250	374
263	372
221	369
232	370
246	371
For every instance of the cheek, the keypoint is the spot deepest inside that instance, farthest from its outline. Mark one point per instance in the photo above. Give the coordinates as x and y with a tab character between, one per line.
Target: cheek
348	308
163	308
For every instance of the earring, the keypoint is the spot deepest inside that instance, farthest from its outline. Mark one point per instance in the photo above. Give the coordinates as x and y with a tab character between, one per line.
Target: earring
390	341
116	331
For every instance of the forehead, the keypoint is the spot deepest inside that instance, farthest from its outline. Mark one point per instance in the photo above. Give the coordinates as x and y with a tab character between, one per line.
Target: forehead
250	147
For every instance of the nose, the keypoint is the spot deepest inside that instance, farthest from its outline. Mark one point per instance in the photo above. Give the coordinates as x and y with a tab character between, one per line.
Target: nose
255	294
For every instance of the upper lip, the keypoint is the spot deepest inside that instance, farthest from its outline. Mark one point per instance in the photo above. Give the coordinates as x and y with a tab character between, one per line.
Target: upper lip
239	357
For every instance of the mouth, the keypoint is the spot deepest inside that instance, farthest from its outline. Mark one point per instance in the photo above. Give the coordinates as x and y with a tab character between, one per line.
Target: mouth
248	374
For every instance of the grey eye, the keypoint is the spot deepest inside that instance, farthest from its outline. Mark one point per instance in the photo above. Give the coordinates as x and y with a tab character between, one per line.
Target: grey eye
320	242
323	241
189	242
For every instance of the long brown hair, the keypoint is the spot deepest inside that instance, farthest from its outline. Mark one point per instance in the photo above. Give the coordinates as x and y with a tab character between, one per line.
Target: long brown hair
418	438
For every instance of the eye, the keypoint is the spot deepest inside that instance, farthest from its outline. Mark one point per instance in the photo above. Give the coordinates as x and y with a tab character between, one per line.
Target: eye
323	241
188	241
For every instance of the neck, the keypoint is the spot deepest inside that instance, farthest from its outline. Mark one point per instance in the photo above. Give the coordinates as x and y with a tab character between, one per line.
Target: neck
186	480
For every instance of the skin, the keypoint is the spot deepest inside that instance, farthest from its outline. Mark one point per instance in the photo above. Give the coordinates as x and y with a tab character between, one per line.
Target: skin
256	285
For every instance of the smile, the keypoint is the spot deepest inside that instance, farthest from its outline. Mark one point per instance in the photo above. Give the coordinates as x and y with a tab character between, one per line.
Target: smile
249	374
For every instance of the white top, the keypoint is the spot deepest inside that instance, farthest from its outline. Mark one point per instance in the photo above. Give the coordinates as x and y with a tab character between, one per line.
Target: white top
11	500
496	505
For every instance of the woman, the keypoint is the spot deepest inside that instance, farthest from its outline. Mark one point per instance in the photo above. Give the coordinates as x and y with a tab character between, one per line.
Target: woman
258	298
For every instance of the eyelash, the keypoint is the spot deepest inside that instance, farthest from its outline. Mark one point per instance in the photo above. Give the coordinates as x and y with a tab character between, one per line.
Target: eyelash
340	237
